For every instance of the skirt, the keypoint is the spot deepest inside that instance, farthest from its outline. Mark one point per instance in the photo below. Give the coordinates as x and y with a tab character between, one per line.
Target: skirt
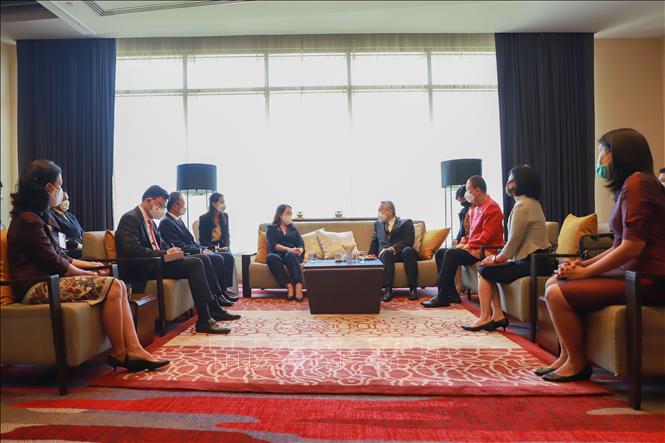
83	288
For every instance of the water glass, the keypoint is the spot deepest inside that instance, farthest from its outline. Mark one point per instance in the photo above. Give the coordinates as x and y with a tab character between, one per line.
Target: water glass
312	257
339	257
362	255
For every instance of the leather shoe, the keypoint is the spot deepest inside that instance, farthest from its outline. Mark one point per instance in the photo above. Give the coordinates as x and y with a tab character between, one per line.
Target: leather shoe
455	299
231	298
211	328
134	364
222	315
435	302
223	301
388	294
413	294
584	374
545	370
489	326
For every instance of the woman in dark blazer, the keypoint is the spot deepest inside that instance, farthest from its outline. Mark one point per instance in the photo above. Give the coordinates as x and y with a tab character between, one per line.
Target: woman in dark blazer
70	226
214	224
286	248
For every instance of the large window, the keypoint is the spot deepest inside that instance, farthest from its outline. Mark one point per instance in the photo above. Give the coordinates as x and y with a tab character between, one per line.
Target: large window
322	132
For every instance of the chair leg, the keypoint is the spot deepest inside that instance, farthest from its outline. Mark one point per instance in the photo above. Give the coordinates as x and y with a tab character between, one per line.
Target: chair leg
61	370
634	340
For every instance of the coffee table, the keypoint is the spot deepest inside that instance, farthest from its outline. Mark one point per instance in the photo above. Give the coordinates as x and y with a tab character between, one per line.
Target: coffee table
344	288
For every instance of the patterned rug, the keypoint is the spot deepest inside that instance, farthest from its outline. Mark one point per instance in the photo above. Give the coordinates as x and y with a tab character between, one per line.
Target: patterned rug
279	347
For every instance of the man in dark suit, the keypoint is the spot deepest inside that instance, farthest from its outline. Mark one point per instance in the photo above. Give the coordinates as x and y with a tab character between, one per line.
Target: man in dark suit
392	242
137	236
175	233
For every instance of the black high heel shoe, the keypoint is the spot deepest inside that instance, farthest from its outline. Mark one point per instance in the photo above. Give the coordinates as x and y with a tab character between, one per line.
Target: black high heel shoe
545	370
503	323
484	327
584	374
114	362
134	364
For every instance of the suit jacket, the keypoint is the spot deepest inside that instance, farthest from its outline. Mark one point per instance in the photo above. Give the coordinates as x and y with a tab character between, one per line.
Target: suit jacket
175	232
70	226
402	236
32	248
207	224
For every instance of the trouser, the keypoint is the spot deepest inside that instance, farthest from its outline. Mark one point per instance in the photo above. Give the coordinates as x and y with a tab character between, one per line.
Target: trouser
219	270
292	274
409	257
226	280
452	259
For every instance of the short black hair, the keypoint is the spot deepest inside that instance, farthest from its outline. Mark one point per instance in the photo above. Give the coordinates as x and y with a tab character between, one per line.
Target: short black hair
661	171
478	182
630	154
174	197
460	192
527	181
155	191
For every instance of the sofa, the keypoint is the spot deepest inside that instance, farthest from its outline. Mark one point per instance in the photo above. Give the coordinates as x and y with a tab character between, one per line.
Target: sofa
257	275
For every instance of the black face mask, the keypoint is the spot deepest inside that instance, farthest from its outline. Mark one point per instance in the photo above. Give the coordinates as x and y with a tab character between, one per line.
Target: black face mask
465	204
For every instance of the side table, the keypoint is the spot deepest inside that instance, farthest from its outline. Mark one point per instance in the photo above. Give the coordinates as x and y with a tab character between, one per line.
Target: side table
144	313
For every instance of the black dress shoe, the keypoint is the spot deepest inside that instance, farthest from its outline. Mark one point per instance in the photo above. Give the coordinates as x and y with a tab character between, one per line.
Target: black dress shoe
387	294
545	370
413	294
584	374
222	315
435	302
489	326
231	298
223	301
212	328
455	299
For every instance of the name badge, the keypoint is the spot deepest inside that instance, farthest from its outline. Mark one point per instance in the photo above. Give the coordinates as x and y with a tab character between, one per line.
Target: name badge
62	240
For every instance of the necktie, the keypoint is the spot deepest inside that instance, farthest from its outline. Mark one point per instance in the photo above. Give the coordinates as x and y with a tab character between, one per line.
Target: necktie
153	239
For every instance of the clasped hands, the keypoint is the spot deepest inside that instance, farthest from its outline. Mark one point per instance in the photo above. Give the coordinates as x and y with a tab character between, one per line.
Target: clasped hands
296	251
571	270
493	260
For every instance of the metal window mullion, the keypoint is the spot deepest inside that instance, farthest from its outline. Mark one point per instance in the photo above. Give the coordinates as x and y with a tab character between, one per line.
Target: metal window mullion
430	93
266	86
185	107
349	94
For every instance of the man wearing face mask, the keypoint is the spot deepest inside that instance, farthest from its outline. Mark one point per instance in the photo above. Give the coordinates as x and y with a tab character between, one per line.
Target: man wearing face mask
175	233
137	236
69	226
486	228
392	241
661	176
214	225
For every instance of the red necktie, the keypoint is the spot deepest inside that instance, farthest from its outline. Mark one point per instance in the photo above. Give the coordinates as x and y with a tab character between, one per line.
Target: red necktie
153	239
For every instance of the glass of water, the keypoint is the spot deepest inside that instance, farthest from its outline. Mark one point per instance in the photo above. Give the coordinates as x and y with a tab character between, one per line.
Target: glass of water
362	255
312	257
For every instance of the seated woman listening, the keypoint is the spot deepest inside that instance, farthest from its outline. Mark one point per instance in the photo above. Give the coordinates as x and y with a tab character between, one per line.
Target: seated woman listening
69	226
286	248
638	223
526	235
214	225
33	250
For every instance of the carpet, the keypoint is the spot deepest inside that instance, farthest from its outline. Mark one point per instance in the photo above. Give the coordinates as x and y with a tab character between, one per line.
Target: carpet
279	347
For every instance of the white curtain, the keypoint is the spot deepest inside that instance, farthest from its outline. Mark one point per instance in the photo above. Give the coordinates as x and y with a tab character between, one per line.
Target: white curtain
323	123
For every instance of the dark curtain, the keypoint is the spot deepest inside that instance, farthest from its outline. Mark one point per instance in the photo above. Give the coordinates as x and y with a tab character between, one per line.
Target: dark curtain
66	100
547	116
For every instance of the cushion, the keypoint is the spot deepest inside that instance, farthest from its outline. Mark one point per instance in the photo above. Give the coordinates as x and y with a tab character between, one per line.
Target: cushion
262	248
420	231
312	244
573	228
109	245
334	242
432	240
6	295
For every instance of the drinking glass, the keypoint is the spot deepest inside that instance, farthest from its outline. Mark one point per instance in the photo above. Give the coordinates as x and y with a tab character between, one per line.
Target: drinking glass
312	257
362	255
339	256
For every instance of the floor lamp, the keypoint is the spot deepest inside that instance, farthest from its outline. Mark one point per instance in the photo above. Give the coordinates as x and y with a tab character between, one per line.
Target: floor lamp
455	173
196	179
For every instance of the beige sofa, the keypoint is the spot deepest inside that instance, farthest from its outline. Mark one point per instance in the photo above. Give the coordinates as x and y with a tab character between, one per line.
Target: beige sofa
174	296
257	275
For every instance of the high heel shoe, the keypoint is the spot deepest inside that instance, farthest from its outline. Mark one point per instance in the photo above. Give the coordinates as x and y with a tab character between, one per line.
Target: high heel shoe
584	374
503	323
135	364
484	327
114	362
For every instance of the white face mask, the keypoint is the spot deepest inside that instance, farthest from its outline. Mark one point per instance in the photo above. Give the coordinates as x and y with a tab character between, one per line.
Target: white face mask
468	197
382	218
64	206
56	197
157	213
287	219
183	211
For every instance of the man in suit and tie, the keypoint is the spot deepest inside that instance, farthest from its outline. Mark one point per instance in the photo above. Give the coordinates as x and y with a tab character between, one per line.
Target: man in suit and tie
392	241
137	236
175	233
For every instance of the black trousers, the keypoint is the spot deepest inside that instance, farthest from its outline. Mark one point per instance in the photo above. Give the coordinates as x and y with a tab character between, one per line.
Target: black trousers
193	269
451	260
409	257
292	274
222	264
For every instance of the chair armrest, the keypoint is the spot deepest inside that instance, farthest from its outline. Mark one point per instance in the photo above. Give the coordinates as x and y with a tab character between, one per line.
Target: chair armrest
251	254
29	280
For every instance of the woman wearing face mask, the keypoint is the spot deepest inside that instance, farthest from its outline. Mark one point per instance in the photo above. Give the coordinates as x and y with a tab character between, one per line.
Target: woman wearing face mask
33	251
526	235
286	250
214	225
638	224
69	226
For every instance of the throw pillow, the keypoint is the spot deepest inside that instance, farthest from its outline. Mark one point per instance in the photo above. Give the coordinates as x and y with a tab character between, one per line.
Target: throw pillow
334	242
432	240
312	244
573	228
109	245
6	295
418	240
262	248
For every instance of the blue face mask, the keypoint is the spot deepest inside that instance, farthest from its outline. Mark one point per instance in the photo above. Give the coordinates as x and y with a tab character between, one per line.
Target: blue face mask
602	171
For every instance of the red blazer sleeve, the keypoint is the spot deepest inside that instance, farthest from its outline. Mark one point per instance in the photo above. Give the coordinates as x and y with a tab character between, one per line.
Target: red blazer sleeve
492	232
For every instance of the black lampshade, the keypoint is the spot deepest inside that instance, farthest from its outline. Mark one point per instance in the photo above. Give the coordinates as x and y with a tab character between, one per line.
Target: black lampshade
456	172
196	178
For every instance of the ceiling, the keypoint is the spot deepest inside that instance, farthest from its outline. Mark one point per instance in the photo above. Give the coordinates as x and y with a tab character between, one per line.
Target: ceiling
178	18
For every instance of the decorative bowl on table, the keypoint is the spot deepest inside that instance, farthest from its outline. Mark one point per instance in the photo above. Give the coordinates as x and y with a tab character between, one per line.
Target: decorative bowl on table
300	214
339	214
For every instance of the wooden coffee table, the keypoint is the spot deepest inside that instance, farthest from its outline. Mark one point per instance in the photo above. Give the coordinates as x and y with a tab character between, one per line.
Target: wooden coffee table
344	288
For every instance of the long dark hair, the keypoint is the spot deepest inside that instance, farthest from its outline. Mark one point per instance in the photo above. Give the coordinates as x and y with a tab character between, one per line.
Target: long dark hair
31	195
526	181
278	213
214	198
630	154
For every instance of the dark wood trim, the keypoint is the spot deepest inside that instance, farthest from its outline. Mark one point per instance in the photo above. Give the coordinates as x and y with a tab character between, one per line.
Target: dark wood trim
57	325
246	260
